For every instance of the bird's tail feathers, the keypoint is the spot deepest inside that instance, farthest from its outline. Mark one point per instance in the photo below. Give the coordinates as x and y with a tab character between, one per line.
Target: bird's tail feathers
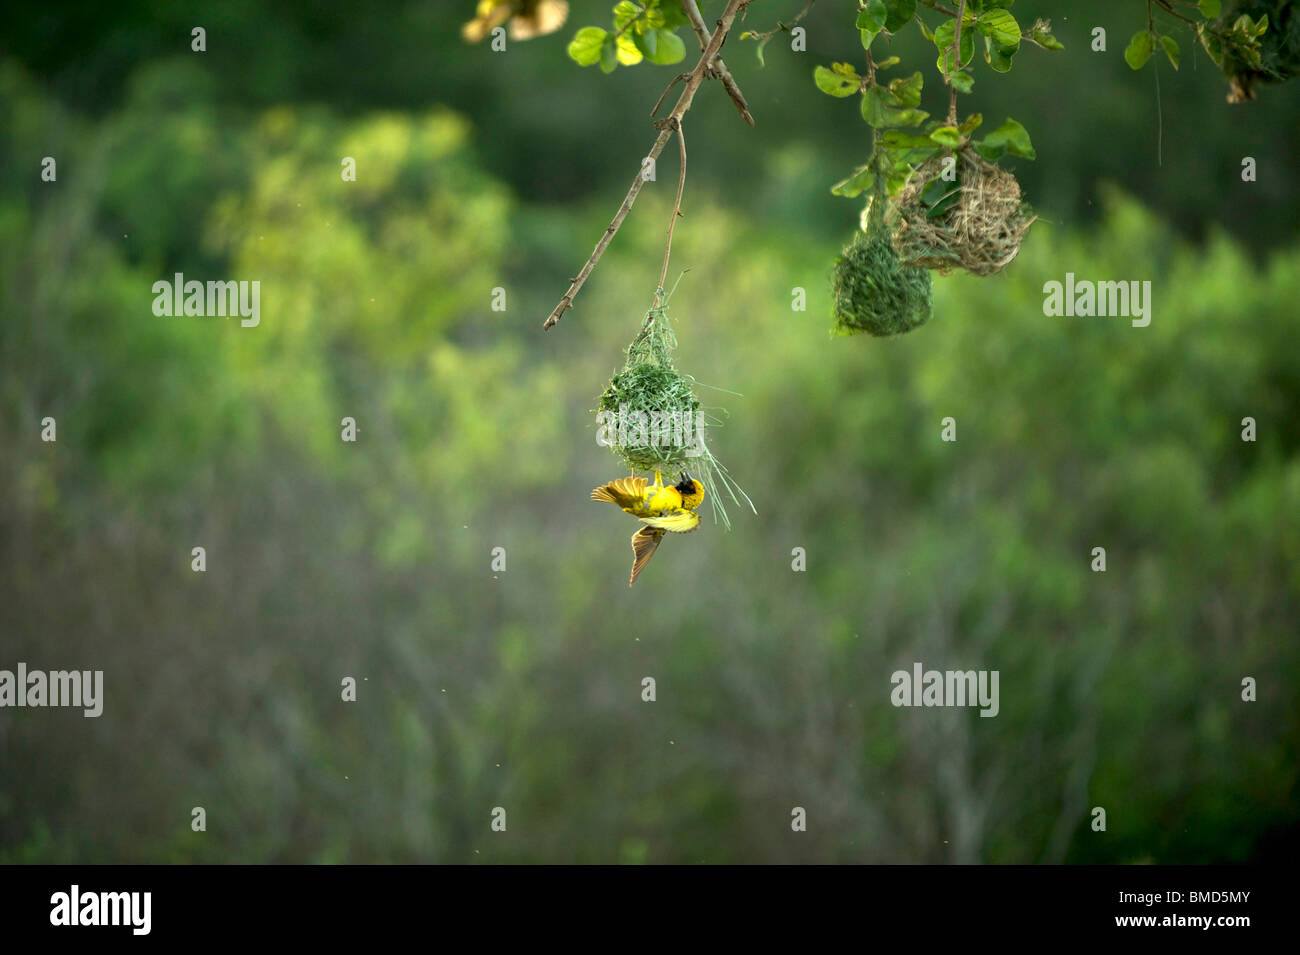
644	544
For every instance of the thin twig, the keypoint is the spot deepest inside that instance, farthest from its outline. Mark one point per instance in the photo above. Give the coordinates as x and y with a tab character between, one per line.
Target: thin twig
677	211
956	65
666	128
1166	6
782	26
668	89
692	11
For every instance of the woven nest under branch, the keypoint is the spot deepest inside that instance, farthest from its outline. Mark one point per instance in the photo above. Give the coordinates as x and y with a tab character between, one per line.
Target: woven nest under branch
648	393
654	420
975	223
874	292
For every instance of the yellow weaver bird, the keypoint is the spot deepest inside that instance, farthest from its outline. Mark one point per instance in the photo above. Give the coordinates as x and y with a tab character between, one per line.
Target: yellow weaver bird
659	508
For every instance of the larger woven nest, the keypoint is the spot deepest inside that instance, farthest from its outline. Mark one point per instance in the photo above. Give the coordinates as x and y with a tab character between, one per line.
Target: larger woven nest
975	223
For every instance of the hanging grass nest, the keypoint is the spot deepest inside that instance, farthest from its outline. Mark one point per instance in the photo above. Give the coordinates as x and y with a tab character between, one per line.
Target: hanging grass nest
975	223
874	291
654	421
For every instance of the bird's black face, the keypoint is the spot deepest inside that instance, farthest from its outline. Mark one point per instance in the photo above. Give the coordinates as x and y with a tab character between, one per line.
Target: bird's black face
685	485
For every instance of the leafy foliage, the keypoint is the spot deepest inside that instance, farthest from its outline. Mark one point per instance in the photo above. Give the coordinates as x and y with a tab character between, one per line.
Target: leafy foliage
903	138
1238	41
641	30
175	431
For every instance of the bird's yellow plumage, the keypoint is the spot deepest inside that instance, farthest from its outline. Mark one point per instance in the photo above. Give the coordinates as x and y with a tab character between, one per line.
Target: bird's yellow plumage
661	509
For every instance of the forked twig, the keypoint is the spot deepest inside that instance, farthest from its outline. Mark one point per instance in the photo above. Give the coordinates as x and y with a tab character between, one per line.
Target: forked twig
728	81
666	126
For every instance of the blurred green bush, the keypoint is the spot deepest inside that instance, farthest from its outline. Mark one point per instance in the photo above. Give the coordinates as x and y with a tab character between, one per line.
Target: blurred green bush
522	689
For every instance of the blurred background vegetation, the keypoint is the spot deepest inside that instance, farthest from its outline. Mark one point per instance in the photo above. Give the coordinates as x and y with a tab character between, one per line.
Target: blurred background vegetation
522	689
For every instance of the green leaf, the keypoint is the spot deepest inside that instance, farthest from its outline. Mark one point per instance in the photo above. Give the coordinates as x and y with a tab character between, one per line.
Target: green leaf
919	154
873	106
668	48
943	40
625	11
878	110
609	54
647	43
897	178
672	16
899	13
1000	27
970	124
584	48
1139	50
943	35
863	178
1209	8
1248	28
998	57
1011	138
946	136
655	19
1171	49
905	117
898	140
964	82
872	16
907	91
940	195
628	54
871	20
841	80
750	35
1042	35
887	63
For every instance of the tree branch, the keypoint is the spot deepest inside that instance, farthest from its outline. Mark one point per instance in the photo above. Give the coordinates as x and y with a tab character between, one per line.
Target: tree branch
666	128
719	69
956	64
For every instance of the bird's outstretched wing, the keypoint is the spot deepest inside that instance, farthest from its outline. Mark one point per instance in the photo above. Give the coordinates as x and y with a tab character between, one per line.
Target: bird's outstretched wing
644	543
625	492
679	522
